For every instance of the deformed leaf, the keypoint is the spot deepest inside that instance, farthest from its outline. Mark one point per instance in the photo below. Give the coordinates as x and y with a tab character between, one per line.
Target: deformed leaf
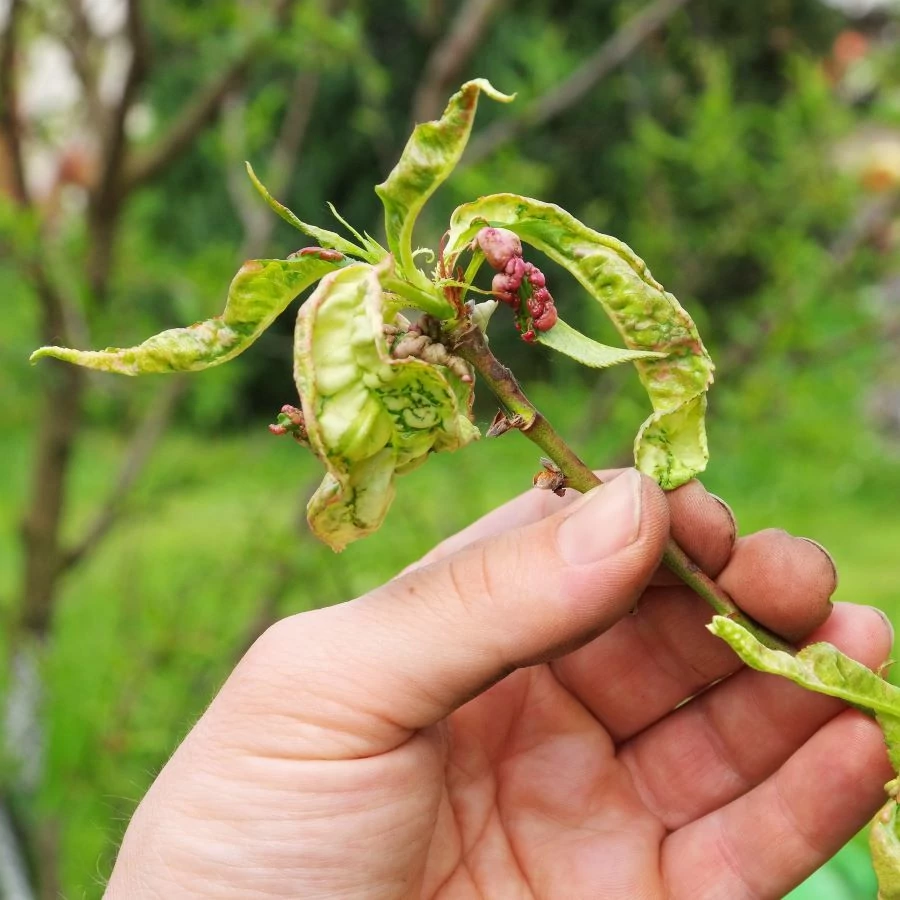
369	417
566	340
428	158
823	668
884	844
671	444
259	292
329	239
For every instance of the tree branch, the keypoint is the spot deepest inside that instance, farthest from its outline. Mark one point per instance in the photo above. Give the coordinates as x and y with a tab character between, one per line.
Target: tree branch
78	39
258	223
10	126
470	344
194	117
143	442
109	191
558	99
450	56
197	113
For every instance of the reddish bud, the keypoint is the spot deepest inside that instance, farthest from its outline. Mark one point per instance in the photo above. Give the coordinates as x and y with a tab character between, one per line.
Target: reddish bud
498	245
515	269
536	277
529	336
321	252
547	319
278	429
503	284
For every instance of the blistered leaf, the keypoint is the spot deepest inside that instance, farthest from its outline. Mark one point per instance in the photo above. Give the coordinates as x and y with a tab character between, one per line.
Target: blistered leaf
823	668
369	417
428	158
565	339
259	292
328	239
884	843
818	667
671	443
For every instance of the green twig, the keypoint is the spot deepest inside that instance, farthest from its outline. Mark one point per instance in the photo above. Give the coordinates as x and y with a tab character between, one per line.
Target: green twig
469	343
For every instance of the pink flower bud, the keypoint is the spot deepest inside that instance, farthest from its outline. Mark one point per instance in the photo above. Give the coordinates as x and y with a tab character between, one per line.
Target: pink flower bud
498	245
542	296
536	277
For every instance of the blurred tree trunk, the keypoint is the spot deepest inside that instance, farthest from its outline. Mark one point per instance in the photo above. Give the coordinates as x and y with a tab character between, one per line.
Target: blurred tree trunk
115	175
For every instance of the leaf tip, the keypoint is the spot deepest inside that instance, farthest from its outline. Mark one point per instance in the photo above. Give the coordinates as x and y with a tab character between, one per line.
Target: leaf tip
489	90
46	352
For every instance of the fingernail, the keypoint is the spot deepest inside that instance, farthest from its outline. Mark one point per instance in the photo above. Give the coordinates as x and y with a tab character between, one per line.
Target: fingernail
827	556
887	622
604	521
730	512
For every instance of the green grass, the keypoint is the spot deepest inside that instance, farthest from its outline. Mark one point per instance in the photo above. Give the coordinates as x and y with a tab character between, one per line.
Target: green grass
148	628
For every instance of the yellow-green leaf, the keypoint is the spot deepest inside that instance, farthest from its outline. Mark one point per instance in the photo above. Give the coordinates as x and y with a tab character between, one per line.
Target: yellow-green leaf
566	340
260	291
428	158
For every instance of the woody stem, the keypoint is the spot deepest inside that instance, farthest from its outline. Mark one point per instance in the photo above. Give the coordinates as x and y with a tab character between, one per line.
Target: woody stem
468	342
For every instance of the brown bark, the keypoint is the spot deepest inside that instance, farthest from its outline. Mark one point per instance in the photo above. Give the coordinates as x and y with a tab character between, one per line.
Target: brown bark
58	427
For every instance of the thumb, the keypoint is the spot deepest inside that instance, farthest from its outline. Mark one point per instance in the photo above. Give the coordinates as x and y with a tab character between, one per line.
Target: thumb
362	676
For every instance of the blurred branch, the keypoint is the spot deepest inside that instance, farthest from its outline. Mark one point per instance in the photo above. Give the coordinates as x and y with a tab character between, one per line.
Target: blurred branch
114	144
258	222
10	127
566	94
108	194
146	436
78	39
874	216
450	56
870	221
196	114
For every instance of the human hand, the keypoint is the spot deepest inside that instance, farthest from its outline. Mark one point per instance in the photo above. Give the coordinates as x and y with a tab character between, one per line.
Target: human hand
493	723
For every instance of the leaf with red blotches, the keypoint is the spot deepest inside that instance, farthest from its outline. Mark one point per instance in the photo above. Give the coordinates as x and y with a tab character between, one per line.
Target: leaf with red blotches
259	292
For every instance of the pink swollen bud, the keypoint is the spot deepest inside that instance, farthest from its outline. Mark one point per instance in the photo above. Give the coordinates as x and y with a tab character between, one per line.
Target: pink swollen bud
547	319
536	277
498	246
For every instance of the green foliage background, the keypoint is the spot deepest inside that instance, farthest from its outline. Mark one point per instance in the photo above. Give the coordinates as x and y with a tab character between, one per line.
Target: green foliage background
712	151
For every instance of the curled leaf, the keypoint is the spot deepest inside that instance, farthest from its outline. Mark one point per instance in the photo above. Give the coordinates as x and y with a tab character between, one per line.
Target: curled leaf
259	292
565	339
671	444
884	844
368	416
428	158
823	668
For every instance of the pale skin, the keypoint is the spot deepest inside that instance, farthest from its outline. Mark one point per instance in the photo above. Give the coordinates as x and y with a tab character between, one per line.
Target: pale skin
496	723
